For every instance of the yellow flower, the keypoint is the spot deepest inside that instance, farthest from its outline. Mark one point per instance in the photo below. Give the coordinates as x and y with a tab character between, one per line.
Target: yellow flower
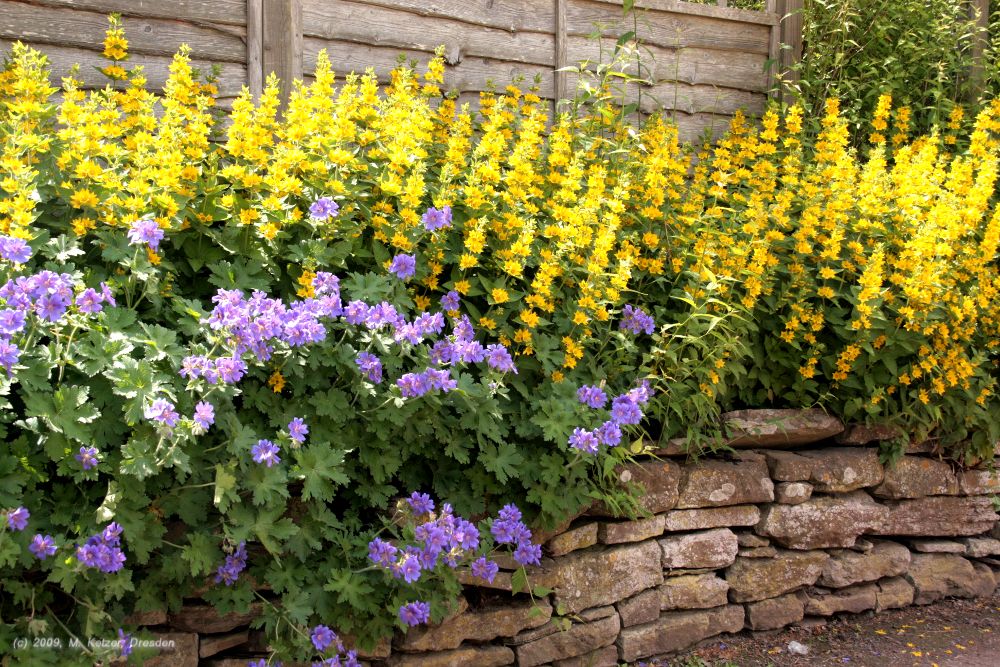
276	382
499	295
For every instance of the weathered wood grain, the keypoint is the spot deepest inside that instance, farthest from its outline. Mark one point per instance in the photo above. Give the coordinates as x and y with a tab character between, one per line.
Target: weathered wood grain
508	15
669	29
84	29
155	68
366	23
282	42
719	11
255	46
562	60
790	13
212	11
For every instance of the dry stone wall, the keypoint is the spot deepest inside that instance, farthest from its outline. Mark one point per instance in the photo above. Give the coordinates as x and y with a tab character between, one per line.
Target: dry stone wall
802	522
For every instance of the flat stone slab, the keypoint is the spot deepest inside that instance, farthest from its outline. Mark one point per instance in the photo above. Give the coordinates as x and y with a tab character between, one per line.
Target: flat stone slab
694	591
853	599
937	546
776	612
846	567
779	428
478	625
481	656
579	639
893	593
935	576
792	493
708	549
657	480
753	579
916	477
711	517
580	537
721	483
630	531
677	630
944	516
823	521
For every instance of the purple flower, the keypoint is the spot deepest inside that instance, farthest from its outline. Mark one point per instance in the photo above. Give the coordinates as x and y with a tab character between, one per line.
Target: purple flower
51	307
17	519
9	356
11	321
584	440
124	643
528	553
370	365
162	411
509	512
266	452
324	208
636	321
403	266
234	564
145	230
204	415
421	503
415	613
485	569
592	396
381	552
408	566
625	411
499	358
107	295
322	636
89	301
297	430
14	249
103	551
451	301
87	456
42	546
434	219
642	393
609	433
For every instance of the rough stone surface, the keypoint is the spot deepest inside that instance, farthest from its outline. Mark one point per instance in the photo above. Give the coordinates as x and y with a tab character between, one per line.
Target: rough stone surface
592	578
978	482
579	537
694	591
503	581
719	483
758	552
711	517
182	652
938	516
708	549
380	651
211	644
630	531
602	657
826	521
788	466
792	493
843	469
658	481
776	612
205	619
937	546
885	559
916	477
580	638
853	599
779	428
861	434
145	618
935	576
752	579
981	547
481	656
482	624
641	608
751	540
893	593
676	630
986	581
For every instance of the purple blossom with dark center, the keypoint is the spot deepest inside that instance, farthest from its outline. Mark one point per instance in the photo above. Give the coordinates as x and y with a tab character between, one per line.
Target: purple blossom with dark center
89	301
415	613
408	565
145	230
266	452
636	320
417	384
230	369
642	393
584	440
42	546
52	307
297	430
124	643
163	412
356	312
625	411
107	295
381	552
370	365
322	637
434	219
485	569
103	551
9	356
14	250
528	553
592	396
204	415
463	330
403	266
509	512
87	456
324	208
11	321
609	433
326	284
420	503
499	358
17	519
451	301
234	564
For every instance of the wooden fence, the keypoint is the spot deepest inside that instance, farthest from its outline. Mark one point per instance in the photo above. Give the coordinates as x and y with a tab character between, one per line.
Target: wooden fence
704	61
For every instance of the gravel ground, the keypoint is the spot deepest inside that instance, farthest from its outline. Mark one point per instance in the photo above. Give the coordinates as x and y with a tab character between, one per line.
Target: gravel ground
952	633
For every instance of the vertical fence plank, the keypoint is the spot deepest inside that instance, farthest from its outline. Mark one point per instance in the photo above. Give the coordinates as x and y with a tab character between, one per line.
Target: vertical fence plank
773	52
255	47
980	11
282	41
559	80
790	12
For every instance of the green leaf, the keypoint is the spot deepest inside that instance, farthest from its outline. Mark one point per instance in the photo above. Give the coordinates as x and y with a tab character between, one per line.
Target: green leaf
201	553
501	460
225	485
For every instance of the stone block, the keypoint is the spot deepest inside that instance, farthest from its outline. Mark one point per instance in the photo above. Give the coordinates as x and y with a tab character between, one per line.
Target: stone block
209	645
720	483
938	516
753	579
792	493
820	522
776	612
853	599
707	549
579	639
893	593
843	469
980	547
751	540
779	427
758	552
478	625
985	582
175	649
641	608
602	657
711	517
677	630
935	576
788	466
580	537
205	619
630	531
917	477
978	482
862	434
658	481
885	559
481	656
937	546
695	591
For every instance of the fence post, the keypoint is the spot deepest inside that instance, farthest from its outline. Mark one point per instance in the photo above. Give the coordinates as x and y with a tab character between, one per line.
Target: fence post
790	15
282	42
980	10
255	47
559	78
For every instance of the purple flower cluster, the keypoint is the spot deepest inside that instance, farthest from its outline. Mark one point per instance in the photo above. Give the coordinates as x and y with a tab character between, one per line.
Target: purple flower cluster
485	569
415	613
235	563
428	380
103	550
17	519
325	639
434	219
87	456
42	546
204	415
14	250
420	503
162	411
324	208
403	266
509	529
145	230
266	452
636	320
446	538
626	410
297	430
124	643
451	301
370	366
